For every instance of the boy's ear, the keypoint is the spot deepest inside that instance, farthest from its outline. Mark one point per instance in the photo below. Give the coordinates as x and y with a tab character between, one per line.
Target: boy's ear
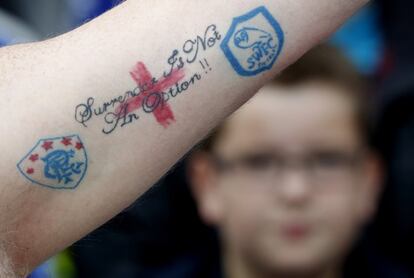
202	176
372	186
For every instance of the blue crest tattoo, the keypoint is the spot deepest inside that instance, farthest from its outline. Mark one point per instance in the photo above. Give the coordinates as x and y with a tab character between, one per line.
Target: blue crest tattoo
254	42
58	163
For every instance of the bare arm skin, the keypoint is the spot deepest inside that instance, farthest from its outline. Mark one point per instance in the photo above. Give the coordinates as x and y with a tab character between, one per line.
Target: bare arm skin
91	119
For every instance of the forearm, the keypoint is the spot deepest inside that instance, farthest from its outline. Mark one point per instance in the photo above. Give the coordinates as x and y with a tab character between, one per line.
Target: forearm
59	87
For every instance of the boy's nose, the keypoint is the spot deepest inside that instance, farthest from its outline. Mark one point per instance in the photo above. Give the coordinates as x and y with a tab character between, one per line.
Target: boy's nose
294	188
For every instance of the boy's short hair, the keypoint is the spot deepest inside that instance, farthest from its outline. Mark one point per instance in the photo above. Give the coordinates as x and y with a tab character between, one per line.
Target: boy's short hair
324	63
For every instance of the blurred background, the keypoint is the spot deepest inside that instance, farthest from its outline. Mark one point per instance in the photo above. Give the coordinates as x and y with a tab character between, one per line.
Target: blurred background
161	235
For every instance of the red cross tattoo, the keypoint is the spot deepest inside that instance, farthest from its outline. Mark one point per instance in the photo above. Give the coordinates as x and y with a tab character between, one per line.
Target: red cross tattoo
163	113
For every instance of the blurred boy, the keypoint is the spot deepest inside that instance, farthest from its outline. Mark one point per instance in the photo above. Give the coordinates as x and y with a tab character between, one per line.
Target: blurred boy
290	179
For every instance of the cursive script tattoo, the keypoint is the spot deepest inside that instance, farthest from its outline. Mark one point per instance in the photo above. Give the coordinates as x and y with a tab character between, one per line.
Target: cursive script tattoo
152	95
192	48
85	111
